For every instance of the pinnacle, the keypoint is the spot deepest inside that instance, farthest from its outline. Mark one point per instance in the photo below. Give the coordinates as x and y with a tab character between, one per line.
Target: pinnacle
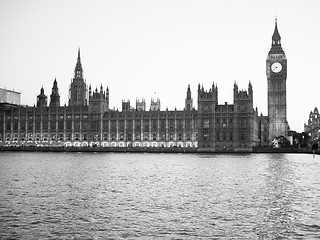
276	35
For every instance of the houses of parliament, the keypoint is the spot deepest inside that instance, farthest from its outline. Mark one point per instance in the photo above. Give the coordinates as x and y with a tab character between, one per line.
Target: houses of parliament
87	120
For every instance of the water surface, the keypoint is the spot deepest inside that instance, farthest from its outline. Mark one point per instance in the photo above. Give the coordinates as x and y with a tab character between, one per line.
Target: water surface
157	196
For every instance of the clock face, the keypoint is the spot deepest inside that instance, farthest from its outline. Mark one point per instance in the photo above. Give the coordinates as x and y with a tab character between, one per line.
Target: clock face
276	67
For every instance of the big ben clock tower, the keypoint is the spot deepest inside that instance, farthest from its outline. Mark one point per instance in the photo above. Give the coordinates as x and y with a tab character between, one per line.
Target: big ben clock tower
277	77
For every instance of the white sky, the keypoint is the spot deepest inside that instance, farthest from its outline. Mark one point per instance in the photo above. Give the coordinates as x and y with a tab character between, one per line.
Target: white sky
137	48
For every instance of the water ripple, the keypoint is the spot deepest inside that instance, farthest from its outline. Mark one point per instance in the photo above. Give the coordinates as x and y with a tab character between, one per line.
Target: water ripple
156	196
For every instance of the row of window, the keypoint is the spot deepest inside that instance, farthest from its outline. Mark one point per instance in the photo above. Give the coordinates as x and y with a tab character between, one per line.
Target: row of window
96	137
223	137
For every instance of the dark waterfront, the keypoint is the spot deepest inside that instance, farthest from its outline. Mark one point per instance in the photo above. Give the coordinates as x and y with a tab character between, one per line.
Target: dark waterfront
156	196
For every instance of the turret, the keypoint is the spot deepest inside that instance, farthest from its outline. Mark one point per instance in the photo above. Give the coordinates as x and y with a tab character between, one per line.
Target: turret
41	99
235	90
55	97
188	101
243	99
126	105
208	96
155	104
243	94
140	106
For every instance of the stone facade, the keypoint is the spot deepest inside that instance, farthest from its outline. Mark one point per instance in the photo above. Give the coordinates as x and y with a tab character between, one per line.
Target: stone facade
231	127
88	120
313	125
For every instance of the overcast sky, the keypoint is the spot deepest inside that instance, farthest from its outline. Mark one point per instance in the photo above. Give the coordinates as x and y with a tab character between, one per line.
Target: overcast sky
140	49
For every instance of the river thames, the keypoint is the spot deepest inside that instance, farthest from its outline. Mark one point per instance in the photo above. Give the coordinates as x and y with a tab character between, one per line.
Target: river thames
159	196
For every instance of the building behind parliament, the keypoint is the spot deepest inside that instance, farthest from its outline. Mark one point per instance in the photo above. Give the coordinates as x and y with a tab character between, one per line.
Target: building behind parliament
87	120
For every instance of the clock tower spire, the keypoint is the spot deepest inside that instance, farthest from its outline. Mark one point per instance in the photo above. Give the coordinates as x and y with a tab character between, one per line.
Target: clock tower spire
276	42
276	68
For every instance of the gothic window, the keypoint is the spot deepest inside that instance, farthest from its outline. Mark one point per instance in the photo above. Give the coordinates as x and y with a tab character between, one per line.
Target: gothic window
171	136
206	136
30	126
121	135
188	136
146	136
129	137
113	136
60	136
77	136
163	137
137	136
206	123
241	122
242	138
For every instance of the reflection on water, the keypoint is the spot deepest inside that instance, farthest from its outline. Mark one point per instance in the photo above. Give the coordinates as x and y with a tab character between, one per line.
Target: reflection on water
280	191
179	196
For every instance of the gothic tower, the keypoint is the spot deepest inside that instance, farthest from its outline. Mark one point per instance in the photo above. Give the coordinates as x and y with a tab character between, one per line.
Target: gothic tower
98	100
207	103
41	99
277	77
55	97
243	118
78	92
188	101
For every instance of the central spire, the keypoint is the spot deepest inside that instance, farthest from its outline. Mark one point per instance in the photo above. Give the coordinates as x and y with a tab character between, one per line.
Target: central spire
78	71
79	54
